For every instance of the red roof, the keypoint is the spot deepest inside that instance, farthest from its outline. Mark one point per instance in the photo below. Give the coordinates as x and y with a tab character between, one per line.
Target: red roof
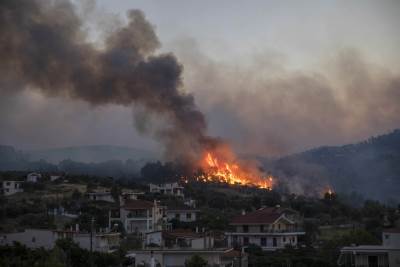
181	233
261	216
138	205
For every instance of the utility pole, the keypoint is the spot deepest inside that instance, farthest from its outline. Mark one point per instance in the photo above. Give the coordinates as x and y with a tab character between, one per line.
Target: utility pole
91	241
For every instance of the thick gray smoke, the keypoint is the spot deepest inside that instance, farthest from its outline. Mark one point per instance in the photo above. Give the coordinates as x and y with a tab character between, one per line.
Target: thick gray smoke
43	47
265	107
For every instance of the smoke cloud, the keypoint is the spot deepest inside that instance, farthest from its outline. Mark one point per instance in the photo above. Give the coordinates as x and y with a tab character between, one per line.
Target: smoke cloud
264	107
44	47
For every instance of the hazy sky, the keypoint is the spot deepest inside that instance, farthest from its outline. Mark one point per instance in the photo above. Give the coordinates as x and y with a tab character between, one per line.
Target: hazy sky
273	77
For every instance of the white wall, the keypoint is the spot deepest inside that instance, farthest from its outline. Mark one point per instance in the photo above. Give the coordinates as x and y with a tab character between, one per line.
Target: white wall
182	215
12	187
36	238
32	238
175	258
391	240
154	238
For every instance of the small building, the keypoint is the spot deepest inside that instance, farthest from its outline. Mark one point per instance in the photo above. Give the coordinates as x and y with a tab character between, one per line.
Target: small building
138	216
173	189
182	214
269	228
179	238
386	255
43	238
101	196
12	187
33	177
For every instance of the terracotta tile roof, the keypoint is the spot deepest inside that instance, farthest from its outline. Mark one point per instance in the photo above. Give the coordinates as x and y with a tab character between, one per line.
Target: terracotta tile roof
261	216
138	205
181	233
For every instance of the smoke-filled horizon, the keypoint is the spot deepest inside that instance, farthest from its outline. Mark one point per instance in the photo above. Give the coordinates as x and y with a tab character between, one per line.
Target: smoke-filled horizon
262	106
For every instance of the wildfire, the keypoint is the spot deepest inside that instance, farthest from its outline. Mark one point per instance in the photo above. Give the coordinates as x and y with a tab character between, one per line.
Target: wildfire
227	170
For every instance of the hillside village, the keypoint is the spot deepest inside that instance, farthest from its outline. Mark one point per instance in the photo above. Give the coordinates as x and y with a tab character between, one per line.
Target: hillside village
166	224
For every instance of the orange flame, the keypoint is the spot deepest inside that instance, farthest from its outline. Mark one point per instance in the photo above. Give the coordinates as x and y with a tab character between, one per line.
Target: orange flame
224	168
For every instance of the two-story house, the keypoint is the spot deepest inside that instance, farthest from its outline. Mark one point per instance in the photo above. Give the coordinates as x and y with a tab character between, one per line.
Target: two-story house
167	189
138	216
269	228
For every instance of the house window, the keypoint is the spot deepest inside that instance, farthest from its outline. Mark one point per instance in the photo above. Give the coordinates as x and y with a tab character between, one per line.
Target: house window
188	216
263	242
284	239
279	226
274	243
33	239
245	228
386	236
8	183
176	215
261	228
245	241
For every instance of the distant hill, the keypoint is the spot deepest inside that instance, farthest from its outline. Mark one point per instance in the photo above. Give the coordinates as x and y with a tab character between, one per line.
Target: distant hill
371	168
90	154
90	160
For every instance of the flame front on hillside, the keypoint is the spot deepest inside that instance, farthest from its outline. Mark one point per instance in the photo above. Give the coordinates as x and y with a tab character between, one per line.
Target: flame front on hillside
221	165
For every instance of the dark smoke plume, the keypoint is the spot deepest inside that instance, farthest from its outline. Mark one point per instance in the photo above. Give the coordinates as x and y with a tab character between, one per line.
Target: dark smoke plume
43	47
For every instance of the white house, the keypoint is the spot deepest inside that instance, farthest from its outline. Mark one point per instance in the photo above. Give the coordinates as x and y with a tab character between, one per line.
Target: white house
269	228
33	177
37	238
101	196
182	214
138	216
12	187
386	255
167	189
